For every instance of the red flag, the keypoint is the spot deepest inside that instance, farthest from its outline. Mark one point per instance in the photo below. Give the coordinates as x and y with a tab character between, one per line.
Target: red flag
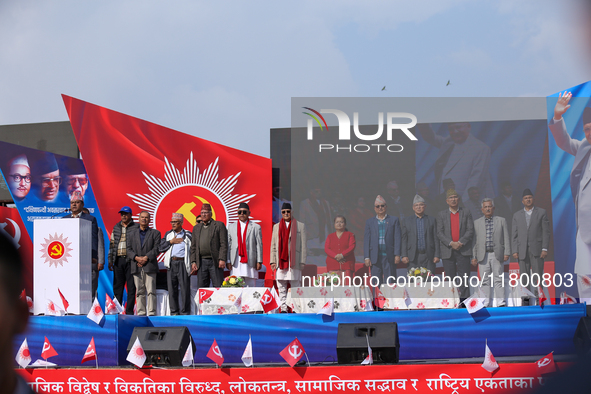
90	353
110	307
204	294
215	354
293	352
541	295
65	302
48	350
268	302
380	300
124	156
546	364
23	295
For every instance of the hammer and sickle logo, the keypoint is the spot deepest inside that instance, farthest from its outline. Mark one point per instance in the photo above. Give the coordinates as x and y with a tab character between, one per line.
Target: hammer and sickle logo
295	353
217	352
56	250
46	346
266	299
544	362
89	352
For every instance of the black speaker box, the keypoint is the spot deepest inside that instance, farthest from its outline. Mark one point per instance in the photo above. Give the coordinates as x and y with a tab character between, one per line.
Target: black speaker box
352	341
164	346
582	338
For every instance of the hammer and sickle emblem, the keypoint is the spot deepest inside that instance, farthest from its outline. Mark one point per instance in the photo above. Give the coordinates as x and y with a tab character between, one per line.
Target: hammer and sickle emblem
46	346
544	362
266	299
89	352
216	350
56	250
296	353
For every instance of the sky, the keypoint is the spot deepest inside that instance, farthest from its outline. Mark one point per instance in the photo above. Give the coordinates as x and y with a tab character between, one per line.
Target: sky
226	71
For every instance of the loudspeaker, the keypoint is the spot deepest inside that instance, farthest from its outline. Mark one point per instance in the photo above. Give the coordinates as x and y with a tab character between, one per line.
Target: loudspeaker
582	338
352	341
163	345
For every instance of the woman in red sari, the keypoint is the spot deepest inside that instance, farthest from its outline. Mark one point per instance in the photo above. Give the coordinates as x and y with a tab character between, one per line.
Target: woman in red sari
340	249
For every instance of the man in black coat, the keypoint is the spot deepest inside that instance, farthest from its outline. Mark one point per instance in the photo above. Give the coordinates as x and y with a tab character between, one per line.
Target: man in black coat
420	245
142	250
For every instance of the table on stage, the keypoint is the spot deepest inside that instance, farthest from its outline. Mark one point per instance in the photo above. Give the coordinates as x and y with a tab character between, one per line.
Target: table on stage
421	296
346	298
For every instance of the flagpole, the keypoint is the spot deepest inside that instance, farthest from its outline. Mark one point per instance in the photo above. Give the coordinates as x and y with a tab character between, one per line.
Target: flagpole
251	352
96	358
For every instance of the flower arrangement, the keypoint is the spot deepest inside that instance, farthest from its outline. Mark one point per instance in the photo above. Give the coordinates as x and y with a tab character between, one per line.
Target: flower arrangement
328	278
421	272
233	281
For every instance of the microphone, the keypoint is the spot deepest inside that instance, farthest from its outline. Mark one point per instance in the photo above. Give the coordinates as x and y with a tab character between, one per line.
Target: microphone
59	213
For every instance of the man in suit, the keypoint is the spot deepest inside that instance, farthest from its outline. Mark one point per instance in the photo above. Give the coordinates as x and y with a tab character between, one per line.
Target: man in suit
176	245
462	157
315	213
420	246
245	247
506	204
288	252
580	184
209	249
491	249
382	243
142	250
531	239
76	207
455	230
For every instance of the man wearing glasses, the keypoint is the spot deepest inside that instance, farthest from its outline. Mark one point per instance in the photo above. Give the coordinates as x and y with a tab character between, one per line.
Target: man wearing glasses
176	246
118	262
245	247
288	252
19	177
381	243
455	230
209	249
48	175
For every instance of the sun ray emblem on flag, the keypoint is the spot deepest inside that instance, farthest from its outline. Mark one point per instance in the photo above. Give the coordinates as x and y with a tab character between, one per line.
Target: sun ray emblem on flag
184	191
56	249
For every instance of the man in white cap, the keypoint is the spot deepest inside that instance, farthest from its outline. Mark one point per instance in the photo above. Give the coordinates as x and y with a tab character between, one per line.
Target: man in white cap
245	247
176	246
381	243
288	252
420	245
19	177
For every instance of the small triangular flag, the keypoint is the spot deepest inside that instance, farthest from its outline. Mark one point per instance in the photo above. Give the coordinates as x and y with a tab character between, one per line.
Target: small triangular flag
90	353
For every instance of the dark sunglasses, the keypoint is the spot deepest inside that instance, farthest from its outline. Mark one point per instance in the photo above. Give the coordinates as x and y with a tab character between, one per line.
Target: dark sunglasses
286	211
242	212
380	206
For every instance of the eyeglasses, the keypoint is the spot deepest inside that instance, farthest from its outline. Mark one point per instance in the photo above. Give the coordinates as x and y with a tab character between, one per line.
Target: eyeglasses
81	180
380	206
48	181
18	178
286	211
242	212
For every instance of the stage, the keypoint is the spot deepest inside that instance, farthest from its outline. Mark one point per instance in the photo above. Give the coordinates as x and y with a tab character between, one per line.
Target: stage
423	334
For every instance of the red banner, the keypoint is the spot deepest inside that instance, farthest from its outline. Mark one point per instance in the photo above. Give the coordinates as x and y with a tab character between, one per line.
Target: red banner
444	378
13	227
132	162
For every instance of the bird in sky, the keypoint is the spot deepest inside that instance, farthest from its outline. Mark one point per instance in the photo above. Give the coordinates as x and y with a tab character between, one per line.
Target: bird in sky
384	88
448	82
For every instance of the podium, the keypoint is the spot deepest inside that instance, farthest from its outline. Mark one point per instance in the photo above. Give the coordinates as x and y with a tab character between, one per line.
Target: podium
62	258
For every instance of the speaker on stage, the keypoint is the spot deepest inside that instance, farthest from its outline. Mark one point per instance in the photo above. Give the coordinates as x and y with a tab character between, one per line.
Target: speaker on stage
352	341
582	338
163	345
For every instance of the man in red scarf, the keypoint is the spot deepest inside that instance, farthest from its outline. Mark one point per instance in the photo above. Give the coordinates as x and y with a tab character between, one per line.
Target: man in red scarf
288	252
245	247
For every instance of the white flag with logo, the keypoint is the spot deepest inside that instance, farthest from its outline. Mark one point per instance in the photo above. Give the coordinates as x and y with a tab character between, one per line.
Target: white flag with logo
474	304
96	312
53	309
369	359
247	355
490	364
136	355
328	308
23	356
188	357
